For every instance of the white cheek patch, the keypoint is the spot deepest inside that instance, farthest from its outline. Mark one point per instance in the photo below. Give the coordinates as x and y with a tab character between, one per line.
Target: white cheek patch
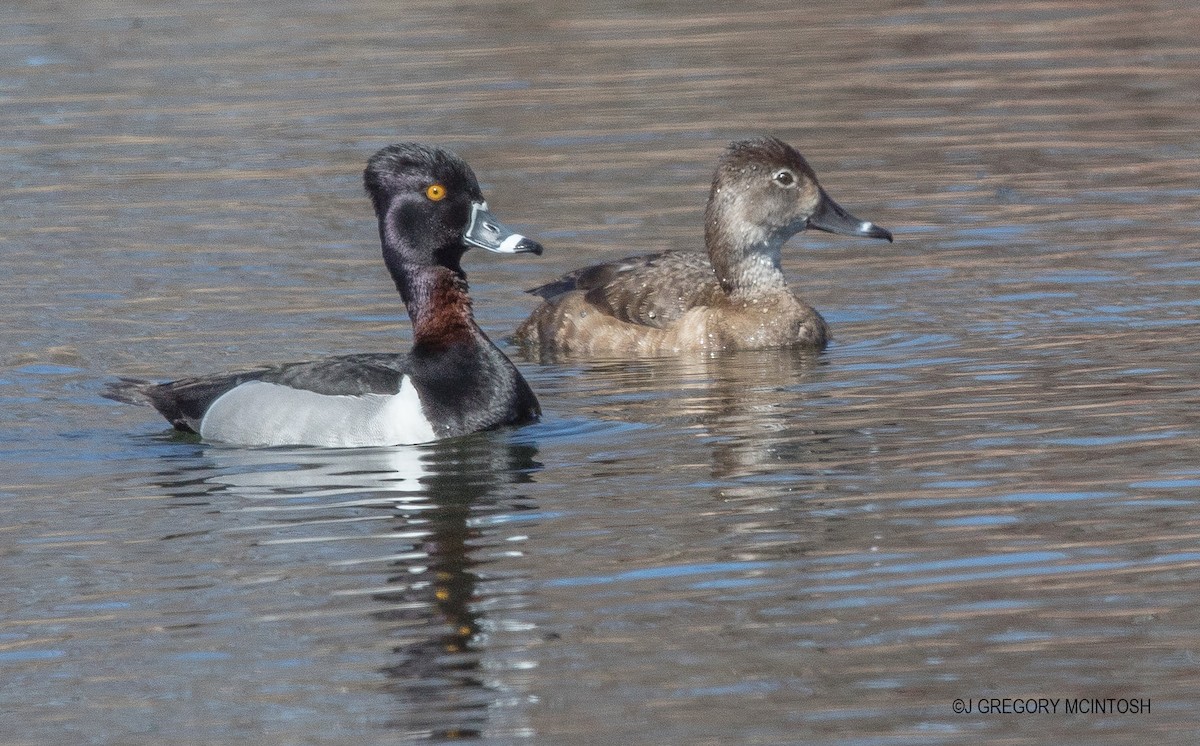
269	414
509	245
866	227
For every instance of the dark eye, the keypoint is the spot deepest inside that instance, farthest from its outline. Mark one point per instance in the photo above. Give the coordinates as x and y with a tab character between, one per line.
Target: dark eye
784	178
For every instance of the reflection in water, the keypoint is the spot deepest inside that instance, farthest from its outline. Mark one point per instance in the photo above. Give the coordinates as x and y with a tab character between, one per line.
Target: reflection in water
431	619
743	405
774	441
318	472
751	414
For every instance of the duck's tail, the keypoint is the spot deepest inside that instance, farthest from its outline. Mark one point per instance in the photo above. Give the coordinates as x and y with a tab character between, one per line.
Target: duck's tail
129	391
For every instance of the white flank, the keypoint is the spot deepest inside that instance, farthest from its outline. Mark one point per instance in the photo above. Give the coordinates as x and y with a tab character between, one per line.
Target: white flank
270	414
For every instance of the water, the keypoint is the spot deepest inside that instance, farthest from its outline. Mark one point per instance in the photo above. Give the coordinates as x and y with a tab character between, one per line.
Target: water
986	489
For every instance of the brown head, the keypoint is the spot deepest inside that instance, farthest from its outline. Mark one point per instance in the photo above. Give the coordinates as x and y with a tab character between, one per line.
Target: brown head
763	193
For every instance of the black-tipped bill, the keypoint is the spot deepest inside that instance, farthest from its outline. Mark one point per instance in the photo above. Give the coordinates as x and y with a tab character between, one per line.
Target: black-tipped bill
832	218
486	232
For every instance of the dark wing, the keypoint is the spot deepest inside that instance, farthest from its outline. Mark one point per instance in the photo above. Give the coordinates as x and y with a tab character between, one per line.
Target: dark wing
185	401
652	290
347	375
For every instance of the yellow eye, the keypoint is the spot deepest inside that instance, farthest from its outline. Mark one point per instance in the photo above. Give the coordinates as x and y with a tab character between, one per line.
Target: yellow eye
436	192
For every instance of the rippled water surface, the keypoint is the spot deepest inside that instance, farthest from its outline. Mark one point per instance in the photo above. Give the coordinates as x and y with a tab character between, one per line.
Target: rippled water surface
986	489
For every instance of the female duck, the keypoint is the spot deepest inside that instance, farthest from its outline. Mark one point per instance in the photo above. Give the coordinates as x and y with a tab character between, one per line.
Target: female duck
453	382
763	193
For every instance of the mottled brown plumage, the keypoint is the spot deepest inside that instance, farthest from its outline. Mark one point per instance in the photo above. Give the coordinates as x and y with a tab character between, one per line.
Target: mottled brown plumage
736	297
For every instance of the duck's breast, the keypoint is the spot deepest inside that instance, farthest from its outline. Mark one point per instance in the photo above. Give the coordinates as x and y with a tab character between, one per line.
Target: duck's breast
765	321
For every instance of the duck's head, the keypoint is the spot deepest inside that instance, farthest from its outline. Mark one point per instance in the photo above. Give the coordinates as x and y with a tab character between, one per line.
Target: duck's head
431	210
764	192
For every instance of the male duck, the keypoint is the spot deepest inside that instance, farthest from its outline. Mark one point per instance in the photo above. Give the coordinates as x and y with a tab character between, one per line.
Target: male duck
453	382
763	193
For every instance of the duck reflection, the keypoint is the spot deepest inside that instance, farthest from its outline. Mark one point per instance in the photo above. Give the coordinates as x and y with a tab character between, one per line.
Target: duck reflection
743	405
759	423
270	473
436	497
462	475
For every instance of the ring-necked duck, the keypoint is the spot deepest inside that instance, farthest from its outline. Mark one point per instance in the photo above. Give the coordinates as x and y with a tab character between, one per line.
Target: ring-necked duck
763	193
453	382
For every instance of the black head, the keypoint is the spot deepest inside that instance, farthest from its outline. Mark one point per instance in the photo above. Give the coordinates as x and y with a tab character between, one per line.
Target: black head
765	186
430	208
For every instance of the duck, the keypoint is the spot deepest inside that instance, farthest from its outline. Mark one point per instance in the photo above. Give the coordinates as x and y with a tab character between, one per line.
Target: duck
453	382
735	297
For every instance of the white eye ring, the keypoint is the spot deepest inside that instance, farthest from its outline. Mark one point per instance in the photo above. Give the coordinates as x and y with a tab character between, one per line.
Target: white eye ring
784	178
